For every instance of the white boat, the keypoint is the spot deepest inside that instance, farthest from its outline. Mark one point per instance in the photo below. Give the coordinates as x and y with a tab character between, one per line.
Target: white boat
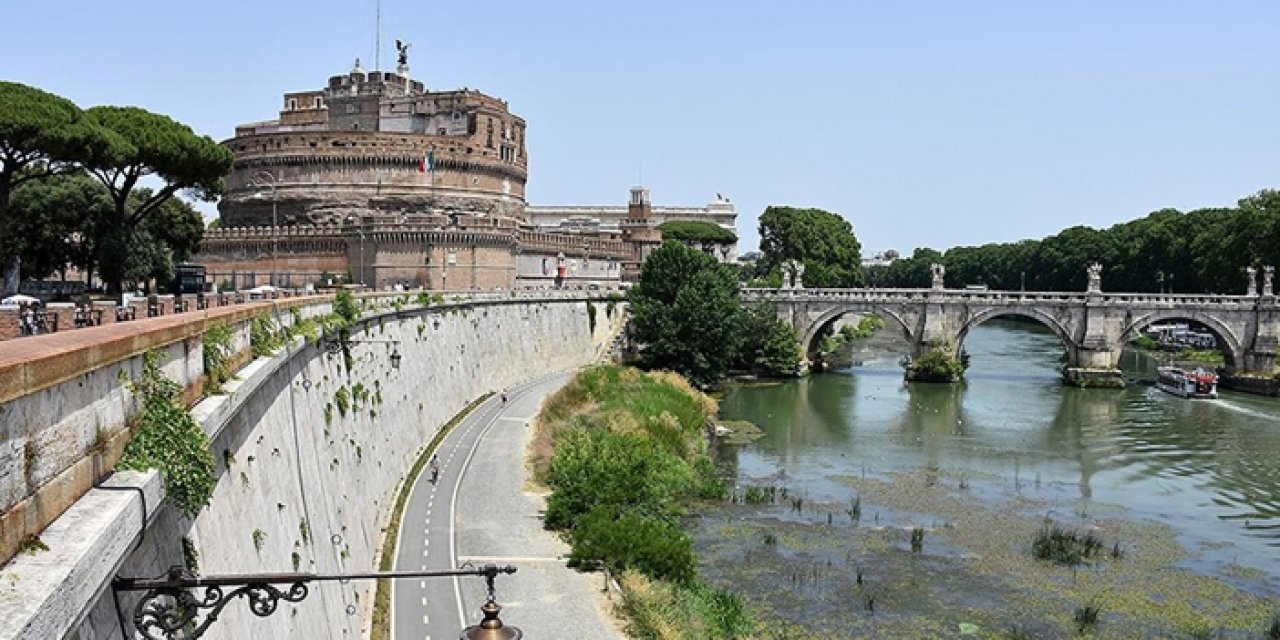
1186	383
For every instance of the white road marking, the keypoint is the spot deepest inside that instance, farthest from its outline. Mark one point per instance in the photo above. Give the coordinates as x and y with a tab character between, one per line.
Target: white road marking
501	559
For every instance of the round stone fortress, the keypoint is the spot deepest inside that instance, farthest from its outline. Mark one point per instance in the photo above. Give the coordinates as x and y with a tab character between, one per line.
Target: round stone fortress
377	143
377	181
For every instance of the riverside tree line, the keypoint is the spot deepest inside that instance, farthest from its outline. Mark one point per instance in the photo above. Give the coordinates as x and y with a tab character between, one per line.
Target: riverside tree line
95	188
1200	251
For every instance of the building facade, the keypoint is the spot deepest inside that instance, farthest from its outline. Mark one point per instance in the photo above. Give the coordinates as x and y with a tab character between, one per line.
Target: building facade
377	180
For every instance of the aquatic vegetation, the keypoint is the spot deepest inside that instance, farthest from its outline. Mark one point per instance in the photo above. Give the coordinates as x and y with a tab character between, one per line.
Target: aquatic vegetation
917	540
971	573
1086	616
1067	548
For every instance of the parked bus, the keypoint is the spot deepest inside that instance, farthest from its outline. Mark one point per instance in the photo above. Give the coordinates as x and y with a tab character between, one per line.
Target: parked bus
187	278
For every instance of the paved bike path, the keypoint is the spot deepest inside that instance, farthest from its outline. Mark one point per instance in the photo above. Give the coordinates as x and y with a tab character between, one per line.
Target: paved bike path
479	512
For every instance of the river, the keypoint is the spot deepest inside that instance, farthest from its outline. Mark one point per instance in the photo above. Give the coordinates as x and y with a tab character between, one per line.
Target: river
1207	470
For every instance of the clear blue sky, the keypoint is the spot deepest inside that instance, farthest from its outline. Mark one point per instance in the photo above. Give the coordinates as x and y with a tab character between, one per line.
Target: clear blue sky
924	123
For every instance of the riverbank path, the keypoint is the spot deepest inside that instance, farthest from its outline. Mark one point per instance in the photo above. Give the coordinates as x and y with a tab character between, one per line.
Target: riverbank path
481	511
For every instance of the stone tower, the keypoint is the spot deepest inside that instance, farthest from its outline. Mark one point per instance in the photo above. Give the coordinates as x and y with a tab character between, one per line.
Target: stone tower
639	232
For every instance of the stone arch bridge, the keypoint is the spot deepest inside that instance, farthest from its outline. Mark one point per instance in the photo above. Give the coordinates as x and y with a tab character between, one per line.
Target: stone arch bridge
1093	326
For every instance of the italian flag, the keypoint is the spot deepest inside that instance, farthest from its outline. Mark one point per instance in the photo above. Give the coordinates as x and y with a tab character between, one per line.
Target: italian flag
428	162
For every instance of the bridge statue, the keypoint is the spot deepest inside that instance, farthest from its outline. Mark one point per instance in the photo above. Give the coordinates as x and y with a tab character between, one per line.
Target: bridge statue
939	272
1251	288
793	274
1268	272
1095	277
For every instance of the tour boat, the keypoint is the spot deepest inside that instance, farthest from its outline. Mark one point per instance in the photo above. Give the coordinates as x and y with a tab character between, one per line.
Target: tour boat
1188	384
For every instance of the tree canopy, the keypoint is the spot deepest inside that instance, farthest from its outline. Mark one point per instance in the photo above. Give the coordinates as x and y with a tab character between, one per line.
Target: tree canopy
686	312
70	219
697	231
41	134
1201	251
149	144
822	240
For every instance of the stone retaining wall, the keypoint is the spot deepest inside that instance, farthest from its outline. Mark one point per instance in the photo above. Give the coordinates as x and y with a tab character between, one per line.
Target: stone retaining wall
288	460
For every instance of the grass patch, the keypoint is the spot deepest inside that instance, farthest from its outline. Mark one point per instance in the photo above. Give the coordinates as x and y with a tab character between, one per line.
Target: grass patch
666	611
386	561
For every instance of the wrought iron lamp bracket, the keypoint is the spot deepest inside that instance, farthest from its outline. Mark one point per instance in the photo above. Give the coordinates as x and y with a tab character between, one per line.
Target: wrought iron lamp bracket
170	608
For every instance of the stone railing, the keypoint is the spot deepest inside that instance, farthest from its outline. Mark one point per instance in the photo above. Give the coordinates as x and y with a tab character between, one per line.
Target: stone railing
67	410
962	296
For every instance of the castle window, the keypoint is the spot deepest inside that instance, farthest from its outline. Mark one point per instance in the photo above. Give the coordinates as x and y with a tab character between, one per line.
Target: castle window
293	103
457	115
355	126
319	102
441	131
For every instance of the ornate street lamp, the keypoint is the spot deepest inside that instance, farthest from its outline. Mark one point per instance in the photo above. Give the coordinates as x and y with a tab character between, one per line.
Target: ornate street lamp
170	610
491	627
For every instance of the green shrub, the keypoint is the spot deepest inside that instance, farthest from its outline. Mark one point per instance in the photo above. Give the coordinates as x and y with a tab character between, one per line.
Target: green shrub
937	366
596	468
190	556
626	540
167	438
591	316
1144	342
344	306
342	398
264	339
216	347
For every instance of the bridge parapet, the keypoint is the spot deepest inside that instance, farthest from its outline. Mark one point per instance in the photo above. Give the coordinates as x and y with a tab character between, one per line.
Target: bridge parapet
1093	326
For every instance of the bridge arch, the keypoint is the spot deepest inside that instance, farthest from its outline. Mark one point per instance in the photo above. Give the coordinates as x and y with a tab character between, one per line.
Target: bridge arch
816	328
1228	340
1054	325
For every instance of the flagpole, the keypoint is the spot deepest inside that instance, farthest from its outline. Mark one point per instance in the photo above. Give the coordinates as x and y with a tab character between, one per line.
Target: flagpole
377	36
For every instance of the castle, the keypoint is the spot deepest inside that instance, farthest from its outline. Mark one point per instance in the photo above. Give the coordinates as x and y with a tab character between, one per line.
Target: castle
378	177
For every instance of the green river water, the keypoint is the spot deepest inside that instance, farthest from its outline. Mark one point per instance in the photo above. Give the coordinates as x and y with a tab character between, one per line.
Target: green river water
1207	471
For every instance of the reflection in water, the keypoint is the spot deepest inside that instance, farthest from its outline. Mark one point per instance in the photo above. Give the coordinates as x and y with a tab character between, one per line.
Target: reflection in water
1206	468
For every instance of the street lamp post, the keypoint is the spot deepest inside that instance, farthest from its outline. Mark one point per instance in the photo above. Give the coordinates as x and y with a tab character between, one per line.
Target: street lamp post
360	235
256	181
171	607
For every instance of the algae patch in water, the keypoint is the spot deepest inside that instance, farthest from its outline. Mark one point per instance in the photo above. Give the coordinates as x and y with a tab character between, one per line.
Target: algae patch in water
738	432
818	575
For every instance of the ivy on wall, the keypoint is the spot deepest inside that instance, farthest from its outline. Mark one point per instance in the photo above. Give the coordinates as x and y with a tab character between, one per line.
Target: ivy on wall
217	355
169	439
